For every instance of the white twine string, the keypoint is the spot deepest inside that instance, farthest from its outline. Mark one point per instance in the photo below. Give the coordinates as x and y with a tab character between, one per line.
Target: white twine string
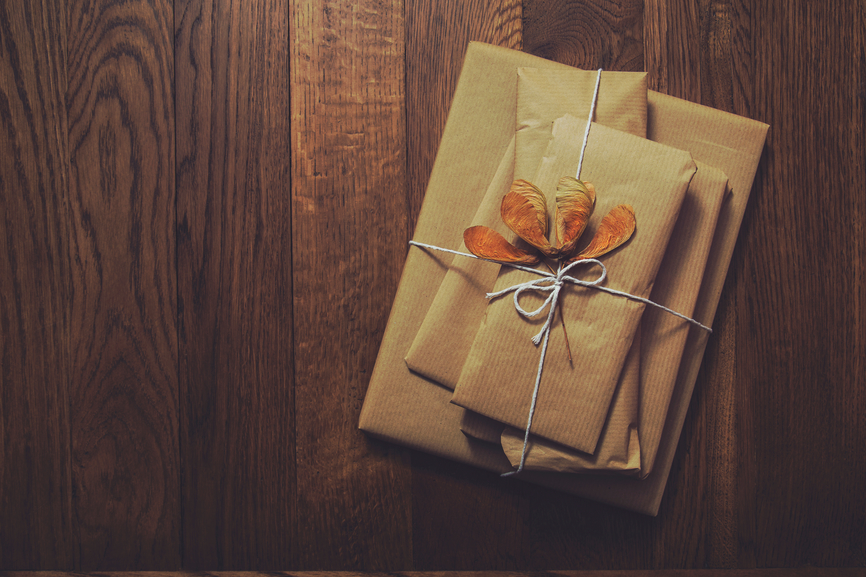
457	252
552	277
553	284
550	283
589	123
555	294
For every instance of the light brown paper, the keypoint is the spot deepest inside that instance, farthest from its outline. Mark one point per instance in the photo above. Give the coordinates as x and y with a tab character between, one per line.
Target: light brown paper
619	444
442	343
679	278
663	334
499	374
407	409
621	105
460	301
677	287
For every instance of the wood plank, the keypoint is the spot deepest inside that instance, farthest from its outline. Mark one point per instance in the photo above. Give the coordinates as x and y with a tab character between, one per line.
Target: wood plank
349	235
600	34
235	283
690	53
36	528
437	35
567	531
467	519
672	47
800	315
123	387
458	512
726	79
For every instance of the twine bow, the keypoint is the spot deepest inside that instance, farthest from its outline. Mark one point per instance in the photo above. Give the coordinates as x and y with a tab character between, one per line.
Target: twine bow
550	283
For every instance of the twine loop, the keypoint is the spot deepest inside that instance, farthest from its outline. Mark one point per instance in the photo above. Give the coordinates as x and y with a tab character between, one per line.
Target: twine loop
549	283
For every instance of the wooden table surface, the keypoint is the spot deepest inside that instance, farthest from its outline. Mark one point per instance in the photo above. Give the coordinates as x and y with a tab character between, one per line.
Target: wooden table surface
205	210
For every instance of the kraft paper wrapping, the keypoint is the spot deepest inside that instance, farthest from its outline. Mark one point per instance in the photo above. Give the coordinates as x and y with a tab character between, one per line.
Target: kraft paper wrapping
618	448
499	373
405	408
459	305
622	105
663	336
677	287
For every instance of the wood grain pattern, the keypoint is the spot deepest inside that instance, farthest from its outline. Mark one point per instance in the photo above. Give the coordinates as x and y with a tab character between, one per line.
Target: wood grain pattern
349	235
437	34
672	47
123	380
801	347
696	40
457	517
235	283
595	34
36	526
571	532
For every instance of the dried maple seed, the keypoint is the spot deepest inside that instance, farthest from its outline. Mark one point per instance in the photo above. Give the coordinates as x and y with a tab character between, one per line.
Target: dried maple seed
487	243
575	201
524	210
615	228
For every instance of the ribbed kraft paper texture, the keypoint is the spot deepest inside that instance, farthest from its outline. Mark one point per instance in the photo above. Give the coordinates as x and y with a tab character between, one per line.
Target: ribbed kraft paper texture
405	408
499	374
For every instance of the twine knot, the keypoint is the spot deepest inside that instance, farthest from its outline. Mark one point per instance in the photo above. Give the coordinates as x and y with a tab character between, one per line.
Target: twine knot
549	283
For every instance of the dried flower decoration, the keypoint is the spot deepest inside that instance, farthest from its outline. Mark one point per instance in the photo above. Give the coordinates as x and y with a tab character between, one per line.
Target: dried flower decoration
524	211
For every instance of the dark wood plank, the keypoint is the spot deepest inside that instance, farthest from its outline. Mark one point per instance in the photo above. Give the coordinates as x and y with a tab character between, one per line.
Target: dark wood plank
458	513
795	572
783	367
800	301
349	235
736	497
235	283
723	446
36	528
467	519
691	49
123	387
601	34
672	47
571	532
437	34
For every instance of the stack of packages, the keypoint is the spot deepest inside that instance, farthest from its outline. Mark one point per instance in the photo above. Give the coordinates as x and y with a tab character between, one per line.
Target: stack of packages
456	370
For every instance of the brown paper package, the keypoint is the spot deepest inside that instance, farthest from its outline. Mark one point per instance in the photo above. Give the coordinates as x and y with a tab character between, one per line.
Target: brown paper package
459	306
408	409
681	274
499	374
663	338
460	303
676	286
622	105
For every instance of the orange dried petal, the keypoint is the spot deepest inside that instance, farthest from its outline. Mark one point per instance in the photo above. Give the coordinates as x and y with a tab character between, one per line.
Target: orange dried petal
575	200
487	243
615	228
524	210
